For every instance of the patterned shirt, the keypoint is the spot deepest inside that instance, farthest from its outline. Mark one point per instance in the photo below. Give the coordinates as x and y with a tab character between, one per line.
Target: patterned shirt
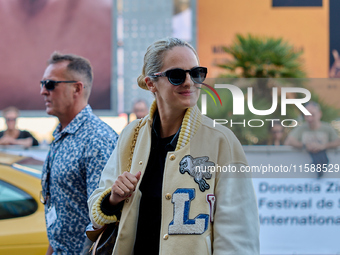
71	173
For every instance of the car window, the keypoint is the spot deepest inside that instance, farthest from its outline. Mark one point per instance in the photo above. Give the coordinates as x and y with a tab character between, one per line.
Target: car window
14	202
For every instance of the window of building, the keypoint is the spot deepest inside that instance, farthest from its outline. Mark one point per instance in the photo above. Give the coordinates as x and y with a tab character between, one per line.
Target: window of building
297	3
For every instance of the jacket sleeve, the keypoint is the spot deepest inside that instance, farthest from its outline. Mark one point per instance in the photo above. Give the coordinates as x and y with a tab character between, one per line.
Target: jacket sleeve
236	225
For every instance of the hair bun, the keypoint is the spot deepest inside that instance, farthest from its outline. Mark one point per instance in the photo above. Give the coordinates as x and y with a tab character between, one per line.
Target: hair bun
141	82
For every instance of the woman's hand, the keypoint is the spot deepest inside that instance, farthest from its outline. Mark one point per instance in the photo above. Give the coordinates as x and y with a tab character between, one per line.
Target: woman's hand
123	187
49	250
7	140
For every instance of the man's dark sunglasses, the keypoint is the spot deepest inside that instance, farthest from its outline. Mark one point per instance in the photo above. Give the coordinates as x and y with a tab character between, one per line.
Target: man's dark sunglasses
50	84
177	76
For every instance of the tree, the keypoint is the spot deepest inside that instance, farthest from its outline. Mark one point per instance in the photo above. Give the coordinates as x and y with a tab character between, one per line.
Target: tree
265	62
263	58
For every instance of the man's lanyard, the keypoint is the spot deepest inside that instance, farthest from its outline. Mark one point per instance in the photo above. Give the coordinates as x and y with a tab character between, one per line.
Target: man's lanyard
45	195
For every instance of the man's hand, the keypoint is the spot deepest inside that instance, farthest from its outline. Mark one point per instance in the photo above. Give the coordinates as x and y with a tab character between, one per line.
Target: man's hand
49	250
291	141
315	147
7	140
123	187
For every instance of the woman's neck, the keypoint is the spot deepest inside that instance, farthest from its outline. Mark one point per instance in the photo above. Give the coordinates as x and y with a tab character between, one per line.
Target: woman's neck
12	133
170	122
315	125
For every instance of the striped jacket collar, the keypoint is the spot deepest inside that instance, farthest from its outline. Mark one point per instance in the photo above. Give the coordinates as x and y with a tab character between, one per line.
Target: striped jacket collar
190	124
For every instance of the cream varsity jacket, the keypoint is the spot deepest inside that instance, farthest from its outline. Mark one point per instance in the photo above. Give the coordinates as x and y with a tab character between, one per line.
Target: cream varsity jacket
208	205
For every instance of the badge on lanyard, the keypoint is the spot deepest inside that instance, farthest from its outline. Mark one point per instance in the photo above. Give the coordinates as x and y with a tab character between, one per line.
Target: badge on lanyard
51	216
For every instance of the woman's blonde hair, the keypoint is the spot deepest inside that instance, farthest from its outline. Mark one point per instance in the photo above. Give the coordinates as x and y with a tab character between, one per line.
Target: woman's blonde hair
153	58
10	109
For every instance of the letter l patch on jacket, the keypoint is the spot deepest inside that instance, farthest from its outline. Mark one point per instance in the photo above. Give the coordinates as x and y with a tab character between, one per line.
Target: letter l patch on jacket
181	224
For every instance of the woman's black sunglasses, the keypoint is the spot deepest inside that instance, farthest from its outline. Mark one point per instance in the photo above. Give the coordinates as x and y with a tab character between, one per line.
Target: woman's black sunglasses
50	84
177	76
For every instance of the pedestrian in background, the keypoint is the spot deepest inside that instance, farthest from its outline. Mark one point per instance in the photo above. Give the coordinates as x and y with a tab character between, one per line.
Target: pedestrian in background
315	136
81	147
277	134
140	108
12	135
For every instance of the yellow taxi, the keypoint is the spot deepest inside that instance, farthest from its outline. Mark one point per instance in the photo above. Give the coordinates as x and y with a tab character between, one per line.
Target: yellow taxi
22	221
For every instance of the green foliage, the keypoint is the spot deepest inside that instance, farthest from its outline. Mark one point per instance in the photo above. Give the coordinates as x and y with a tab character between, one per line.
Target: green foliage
243	130
259	59
255	57
263	58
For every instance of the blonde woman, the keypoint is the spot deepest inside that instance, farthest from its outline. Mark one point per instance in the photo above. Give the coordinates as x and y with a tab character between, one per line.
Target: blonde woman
12	135
159	181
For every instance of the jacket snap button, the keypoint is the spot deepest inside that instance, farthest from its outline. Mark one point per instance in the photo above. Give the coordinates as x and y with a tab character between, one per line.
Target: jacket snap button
168	196
166	237
172	157
127	200
140	162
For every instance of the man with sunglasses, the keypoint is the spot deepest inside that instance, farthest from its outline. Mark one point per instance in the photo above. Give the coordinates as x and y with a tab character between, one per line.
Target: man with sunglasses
82	145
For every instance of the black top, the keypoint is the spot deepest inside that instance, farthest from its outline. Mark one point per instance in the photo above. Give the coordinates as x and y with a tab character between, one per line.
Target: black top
22	135
150	208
